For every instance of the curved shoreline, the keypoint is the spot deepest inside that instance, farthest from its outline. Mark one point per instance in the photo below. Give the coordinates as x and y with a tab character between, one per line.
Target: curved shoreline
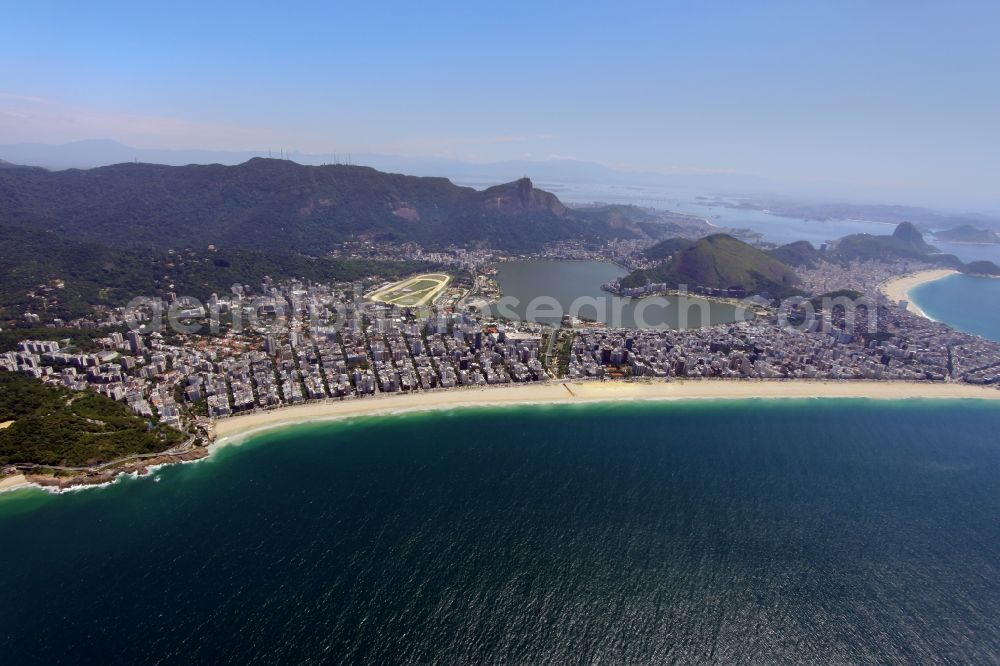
898	289
236	428
581	392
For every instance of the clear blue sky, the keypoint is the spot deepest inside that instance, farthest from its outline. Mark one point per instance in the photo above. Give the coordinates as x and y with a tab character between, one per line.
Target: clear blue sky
883	92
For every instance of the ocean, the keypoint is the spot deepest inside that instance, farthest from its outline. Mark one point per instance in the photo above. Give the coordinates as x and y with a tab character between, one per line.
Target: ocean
965	302
748	532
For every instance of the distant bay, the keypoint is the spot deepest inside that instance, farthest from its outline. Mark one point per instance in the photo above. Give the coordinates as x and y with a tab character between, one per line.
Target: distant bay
833	531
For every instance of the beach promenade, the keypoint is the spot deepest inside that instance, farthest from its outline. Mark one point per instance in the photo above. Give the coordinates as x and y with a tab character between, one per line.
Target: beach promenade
593	391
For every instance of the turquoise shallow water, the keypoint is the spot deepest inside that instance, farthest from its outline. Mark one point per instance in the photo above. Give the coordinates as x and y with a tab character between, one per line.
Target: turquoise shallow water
970	304
721	532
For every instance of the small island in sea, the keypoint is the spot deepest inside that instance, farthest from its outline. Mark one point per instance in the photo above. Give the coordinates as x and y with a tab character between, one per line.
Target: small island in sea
968	234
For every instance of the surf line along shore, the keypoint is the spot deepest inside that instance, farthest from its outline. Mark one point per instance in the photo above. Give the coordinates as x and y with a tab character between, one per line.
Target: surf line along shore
232	428
898	289
78	477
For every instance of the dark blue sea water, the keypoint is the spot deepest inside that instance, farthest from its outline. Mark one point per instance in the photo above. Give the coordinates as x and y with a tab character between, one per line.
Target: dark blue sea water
754	532
970	304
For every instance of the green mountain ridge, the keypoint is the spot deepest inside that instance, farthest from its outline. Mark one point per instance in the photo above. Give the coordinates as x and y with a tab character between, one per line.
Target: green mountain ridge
800	253
906	242
74	275
720	262
286	206
668	248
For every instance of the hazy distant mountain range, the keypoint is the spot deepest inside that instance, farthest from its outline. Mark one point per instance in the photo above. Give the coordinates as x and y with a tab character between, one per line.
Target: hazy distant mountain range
925	218
573	180
548	172
103	152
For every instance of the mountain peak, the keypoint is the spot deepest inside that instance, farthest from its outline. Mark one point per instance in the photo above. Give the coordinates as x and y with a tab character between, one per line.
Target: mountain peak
521	196
719	263
908	233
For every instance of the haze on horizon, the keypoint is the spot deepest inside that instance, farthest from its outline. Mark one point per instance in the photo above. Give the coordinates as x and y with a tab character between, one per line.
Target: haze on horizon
899	98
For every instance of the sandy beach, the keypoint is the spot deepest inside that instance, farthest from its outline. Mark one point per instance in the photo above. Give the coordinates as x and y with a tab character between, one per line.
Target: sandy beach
233	429
899	288
229	429
13	482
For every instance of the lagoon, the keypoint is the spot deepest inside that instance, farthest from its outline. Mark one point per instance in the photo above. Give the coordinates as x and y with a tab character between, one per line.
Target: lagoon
563	283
